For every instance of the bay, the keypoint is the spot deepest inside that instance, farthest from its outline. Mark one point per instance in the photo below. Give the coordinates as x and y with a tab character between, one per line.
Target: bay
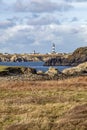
37	65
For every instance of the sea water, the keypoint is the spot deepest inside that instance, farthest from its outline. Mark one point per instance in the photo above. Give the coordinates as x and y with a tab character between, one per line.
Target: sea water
37	65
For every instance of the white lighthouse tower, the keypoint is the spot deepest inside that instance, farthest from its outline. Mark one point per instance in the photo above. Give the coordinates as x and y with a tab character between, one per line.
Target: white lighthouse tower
53	49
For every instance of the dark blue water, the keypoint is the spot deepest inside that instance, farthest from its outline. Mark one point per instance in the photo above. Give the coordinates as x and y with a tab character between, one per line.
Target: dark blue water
36	65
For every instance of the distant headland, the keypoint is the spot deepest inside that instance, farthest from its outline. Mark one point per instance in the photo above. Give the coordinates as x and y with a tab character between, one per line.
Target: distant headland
50	59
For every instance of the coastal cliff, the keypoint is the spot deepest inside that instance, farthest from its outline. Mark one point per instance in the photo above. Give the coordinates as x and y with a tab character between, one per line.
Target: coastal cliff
25	57
59	59
77	57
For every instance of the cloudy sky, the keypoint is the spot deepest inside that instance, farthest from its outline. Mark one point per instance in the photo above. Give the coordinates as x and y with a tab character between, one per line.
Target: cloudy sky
27	25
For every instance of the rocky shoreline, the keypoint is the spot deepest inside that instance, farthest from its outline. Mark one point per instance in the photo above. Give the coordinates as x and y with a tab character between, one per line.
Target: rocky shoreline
30	74
59	59
51	74
77	57
28	57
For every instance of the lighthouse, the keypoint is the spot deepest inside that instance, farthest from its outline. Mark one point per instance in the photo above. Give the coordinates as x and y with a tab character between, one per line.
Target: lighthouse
53	49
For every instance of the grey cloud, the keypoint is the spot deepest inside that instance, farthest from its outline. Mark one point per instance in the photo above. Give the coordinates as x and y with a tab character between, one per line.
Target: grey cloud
30	37
4	7
6	24
75	0
74	19
44	20
40	6
23	38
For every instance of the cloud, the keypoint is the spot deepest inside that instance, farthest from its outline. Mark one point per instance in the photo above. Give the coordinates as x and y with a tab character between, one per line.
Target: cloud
2	5
6	24
5	7
75	0
44	20
35	24
39	6
74	19
26	38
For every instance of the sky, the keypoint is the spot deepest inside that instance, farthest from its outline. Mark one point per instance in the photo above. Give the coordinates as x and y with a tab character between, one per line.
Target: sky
28	25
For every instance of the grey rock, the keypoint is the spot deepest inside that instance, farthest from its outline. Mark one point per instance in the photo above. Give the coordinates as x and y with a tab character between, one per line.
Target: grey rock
81	69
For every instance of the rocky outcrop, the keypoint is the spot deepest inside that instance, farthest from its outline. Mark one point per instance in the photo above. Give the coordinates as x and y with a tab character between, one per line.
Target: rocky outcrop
53	71
24	73
58	61
81	69
29	57
16	71
18	59
77	57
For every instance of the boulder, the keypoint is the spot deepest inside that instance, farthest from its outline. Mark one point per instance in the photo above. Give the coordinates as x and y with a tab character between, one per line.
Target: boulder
26	70
40	72
80	69
52	71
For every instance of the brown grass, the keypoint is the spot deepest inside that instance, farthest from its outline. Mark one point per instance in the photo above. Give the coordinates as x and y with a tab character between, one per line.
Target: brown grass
71	83
45	105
